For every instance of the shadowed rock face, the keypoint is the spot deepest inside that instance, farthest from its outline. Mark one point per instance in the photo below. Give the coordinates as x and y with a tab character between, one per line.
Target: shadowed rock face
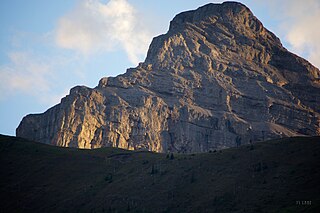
216	79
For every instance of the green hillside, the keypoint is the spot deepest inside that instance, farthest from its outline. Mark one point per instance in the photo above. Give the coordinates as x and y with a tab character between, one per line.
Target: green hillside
274	176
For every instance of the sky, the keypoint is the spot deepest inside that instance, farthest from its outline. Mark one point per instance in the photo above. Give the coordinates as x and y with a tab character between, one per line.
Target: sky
47	47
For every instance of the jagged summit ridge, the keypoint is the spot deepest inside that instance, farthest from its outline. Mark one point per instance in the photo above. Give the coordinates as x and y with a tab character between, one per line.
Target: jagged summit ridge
229	24
209	11
216	79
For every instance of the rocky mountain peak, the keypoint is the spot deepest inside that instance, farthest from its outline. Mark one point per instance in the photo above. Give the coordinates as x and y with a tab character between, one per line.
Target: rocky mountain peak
210	12
216	79
211	32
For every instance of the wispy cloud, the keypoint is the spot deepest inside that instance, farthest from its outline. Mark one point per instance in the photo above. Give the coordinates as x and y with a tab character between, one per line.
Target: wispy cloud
23	73
300	26
93	26
28	74
304	28
38	61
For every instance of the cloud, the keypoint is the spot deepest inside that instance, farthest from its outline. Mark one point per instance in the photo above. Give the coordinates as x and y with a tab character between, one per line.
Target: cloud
299	23
23	74
304	29
93	26
28	74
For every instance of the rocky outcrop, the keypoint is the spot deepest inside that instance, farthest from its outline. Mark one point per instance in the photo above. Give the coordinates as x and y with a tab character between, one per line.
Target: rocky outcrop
216	79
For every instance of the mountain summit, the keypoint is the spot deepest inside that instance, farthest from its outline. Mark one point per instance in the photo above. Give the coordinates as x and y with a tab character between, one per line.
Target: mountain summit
216	79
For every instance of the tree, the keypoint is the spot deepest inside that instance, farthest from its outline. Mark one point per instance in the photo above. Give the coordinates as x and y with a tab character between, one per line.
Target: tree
171	156
153	170
238	141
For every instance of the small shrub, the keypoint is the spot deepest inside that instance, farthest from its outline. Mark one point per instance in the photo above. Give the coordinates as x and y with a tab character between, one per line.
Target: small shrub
163	172
144	162
259	167
251	147
193	179
108	178
264	166
171	156
128	207
153	170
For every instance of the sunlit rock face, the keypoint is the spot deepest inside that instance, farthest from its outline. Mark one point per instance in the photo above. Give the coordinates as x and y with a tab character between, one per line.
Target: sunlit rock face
216	79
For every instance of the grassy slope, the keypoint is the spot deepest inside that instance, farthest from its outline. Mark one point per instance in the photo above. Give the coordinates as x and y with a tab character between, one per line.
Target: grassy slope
268	177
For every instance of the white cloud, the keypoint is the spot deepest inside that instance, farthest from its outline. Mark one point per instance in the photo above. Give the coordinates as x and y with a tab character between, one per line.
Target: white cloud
28	74
93	26
304	31
23	74
300	25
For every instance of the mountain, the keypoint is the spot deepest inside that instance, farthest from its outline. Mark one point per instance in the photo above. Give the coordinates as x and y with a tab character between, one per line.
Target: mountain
274	176
217	79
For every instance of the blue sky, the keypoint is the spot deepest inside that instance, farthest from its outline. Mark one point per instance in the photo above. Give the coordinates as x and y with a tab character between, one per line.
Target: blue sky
47	47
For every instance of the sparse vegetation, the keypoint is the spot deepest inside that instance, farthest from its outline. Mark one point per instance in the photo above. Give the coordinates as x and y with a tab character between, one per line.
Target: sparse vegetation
144	162
108	178
193	179
171	156
270	178
251	147
153	170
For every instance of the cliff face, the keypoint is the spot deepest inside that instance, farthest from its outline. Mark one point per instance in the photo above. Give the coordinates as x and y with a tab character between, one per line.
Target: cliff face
216	79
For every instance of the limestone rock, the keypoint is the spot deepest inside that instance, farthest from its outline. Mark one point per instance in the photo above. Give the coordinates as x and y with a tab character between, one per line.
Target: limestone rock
216	79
